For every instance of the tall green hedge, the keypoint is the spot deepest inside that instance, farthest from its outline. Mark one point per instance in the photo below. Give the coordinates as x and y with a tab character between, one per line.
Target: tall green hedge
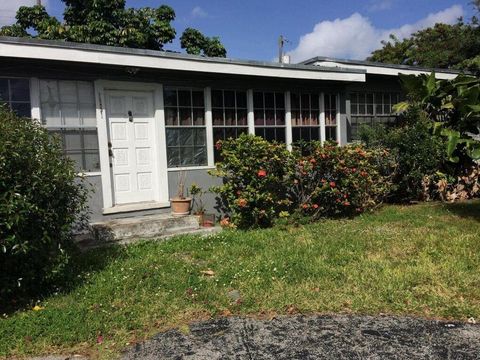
41	199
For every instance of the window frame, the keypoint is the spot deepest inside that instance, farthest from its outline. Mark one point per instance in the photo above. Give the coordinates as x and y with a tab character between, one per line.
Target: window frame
63	129
179	126
236	128
9	102
306	128
275	109
358	119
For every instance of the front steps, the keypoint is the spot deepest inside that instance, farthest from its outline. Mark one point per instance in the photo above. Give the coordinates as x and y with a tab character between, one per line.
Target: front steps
127	230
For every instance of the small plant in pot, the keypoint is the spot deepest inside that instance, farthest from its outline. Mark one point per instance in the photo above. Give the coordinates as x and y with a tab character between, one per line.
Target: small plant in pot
180	203
204	219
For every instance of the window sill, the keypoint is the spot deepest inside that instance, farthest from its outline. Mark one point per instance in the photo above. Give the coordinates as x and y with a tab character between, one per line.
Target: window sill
88	174
187	168
135	207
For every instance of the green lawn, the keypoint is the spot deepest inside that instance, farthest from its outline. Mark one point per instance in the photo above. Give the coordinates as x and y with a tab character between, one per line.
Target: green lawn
421	260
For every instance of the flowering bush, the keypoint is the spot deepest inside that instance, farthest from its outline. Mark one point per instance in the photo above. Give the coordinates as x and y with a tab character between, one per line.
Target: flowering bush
264	181
255	176
340	181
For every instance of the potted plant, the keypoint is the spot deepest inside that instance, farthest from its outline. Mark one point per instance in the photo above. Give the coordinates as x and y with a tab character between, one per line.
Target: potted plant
205	220
180	203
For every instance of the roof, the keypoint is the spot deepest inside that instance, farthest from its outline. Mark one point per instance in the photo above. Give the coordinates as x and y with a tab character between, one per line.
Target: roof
378	68
37	49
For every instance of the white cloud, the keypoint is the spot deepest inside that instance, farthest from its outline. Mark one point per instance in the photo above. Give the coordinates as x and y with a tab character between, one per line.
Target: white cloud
8	9
380	5
198	13
356	37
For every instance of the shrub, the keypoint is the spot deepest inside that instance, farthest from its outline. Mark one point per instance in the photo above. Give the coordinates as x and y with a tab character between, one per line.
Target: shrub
418	153
340	181
254	174
40	199
264	181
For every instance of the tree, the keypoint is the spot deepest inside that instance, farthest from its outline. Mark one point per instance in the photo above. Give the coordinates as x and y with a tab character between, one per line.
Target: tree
107	22
454	46
453	108
441	46
195	43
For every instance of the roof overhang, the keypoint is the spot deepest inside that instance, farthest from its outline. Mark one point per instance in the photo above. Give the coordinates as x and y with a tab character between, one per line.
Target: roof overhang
380	68
107	55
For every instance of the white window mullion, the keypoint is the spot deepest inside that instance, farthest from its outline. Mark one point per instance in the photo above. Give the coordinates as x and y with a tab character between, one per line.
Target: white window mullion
209	125
338	117
250	114
322	118
288	121
35	99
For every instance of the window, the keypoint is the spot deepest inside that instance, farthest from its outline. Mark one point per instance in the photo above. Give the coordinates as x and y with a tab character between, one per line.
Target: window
370	108
330	117
185	127
68	110
305	116
229	115
269	114
16	94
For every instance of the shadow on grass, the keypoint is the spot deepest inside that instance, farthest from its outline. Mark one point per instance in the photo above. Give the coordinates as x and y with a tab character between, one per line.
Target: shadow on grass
74	275
465	209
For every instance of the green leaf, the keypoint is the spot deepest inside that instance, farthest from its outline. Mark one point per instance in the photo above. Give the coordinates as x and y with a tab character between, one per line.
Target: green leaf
401	107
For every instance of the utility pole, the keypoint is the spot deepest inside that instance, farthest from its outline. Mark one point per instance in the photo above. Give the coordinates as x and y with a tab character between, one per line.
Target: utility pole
281	42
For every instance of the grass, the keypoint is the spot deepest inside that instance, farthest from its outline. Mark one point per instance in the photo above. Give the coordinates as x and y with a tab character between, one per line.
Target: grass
421	260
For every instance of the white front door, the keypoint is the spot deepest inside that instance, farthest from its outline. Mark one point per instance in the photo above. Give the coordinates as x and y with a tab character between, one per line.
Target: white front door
132	147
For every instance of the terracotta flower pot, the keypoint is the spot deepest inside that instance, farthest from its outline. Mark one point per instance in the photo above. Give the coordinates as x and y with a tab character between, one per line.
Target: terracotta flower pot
180	207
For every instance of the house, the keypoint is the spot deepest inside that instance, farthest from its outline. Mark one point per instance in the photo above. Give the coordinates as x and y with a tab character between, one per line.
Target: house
132	118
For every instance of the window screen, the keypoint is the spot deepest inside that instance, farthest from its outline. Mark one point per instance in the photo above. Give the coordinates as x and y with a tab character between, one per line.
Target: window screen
229	115
371	108
68	110
269	114
185	127
16	94
305	116
330	117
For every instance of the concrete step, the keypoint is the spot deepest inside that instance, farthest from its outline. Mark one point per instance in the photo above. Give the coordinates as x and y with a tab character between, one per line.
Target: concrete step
143	227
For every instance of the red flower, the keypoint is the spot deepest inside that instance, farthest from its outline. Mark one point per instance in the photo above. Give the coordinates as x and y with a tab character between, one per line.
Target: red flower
364	173
305	206
354	169
262	173
332	184
313	161
346	203
315	206
218	145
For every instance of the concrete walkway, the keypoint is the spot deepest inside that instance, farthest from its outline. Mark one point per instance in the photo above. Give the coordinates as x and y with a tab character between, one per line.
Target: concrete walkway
315	337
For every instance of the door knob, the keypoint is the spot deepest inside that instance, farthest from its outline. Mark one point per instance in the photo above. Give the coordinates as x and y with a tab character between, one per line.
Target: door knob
130	116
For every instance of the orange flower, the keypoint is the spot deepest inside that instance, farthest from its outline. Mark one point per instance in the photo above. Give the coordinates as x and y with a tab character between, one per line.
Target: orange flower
242	202
225	222
305	206
313	161
346	203
315	206
332	184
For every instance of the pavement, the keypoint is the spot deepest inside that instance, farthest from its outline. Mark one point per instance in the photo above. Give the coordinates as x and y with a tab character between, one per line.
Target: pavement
315	337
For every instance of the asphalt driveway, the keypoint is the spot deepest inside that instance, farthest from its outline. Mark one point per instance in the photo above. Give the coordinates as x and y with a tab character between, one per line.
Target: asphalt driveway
315	337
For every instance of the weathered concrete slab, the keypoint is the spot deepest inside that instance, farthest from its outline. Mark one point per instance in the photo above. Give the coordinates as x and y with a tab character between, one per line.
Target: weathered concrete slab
145	227
315	337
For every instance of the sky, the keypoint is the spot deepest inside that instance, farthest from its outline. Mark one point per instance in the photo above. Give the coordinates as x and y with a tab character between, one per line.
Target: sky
249	29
